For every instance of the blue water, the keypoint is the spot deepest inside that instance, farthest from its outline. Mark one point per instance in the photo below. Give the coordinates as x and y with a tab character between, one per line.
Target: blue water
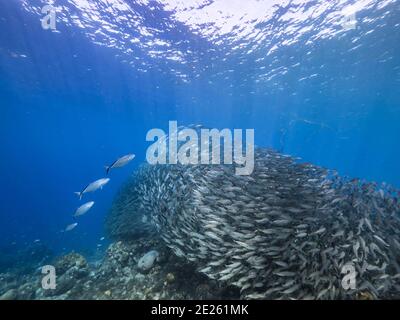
75	99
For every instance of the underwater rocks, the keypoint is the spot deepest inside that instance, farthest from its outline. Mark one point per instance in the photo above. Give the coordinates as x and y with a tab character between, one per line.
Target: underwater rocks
147	261
118	276
287	231
27	291
170	278
23	290
9	295
129	268
72	271
16	286
120	254
17	265
72	261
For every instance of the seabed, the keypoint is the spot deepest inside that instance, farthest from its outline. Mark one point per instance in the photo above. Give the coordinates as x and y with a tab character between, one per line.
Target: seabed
116	276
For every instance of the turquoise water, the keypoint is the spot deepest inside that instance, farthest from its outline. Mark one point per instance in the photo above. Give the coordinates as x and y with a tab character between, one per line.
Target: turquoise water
76	98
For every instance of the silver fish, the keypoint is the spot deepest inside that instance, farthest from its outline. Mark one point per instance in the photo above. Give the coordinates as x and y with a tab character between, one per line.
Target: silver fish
121	162
91	187
70	227
83	208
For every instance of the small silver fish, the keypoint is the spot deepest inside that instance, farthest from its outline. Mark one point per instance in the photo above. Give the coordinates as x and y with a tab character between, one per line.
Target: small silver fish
83	208
91	187
381	241
71	226
121	162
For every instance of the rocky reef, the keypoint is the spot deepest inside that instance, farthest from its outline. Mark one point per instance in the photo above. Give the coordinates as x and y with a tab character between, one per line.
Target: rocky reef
118	275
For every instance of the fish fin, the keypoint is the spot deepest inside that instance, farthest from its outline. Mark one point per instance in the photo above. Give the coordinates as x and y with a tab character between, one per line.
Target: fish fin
107	169
79	194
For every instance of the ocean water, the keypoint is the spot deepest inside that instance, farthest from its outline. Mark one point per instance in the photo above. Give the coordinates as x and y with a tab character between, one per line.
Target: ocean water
309	82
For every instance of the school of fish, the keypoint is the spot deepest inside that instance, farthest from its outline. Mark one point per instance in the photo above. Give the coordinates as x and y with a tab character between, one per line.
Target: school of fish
284	232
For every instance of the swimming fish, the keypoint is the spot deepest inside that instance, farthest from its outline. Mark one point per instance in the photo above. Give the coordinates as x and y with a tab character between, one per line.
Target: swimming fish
284	232
71	227
83	208
91	187
121	162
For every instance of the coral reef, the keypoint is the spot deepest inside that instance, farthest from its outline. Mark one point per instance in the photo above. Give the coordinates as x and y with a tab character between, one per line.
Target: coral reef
118	276
146	262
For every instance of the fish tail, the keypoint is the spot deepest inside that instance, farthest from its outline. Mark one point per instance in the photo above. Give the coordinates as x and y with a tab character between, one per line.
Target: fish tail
107	169
79	194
